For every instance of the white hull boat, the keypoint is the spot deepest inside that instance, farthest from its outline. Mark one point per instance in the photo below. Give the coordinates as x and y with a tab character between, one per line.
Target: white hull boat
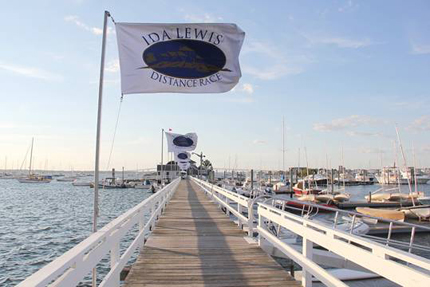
81	183
66	179
417	212
143	186
33	180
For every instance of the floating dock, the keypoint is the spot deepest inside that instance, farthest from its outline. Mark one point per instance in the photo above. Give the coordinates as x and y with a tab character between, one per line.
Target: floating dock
195	244
387	204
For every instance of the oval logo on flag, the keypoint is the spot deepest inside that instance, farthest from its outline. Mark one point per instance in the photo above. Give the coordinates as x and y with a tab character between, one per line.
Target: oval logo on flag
188	59
182	155
183	141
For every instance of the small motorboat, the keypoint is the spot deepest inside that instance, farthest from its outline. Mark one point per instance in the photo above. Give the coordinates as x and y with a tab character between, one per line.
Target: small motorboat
327	197
425	200
146	184
417	212
66	179
81	183
382	213
342	197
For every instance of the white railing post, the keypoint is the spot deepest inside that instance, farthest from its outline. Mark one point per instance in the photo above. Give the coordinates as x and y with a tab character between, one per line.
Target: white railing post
239	222
250	219
114	259
308	247
260	225
141	225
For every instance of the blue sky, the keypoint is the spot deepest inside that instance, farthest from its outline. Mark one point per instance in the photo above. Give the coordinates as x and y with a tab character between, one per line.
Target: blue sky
341	73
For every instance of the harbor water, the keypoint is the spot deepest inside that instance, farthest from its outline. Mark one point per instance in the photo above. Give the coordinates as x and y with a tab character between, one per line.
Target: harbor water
39	222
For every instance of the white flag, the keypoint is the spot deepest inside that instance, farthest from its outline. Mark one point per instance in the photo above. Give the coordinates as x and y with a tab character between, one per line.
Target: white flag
182	156
179	58
178	143
184	165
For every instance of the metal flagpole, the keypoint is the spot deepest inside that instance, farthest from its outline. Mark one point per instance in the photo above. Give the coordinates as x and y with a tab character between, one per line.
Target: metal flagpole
162	146
99	118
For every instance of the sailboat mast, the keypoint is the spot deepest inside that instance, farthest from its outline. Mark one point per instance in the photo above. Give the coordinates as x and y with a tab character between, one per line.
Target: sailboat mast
31	156
343	170
415	174
404	160
283	145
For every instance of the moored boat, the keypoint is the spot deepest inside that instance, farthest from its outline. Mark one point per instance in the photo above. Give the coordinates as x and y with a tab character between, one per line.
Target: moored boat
35	179
146	184
81	183
382	213
303	187
417	212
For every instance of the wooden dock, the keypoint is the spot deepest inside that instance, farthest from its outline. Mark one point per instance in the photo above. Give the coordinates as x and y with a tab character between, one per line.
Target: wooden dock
195	244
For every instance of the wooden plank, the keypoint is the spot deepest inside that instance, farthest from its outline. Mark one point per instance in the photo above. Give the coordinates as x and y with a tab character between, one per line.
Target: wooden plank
195	244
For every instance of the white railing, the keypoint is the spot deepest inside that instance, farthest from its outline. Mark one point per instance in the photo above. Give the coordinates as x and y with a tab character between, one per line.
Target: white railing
396	265
242	206
74	265
378	258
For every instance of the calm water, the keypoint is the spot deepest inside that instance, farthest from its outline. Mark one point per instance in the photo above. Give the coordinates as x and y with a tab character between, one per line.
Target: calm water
39	222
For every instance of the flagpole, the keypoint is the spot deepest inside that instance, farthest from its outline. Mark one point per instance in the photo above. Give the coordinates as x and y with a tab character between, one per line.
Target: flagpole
99	118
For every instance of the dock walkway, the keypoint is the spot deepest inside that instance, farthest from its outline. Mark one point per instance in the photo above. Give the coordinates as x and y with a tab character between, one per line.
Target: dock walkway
195	244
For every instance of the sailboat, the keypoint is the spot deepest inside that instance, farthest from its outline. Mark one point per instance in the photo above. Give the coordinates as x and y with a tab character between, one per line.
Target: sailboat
33	178
417	211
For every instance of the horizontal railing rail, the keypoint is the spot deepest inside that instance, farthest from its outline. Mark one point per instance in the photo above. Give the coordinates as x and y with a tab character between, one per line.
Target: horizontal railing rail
310	208
73	266
378	258
242	208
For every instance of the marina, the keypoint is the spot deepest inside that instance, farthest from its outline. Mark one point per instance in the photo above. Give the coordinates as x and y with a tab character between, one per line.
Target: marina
271	145
192	215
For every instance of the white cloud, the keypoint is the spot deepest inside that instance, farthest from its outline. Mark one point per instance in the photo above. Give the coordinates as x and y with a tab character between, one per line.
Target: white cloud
268	50
272	73
112	66
203	18
31	72
348	6
371	150
420	124
278	64
259	142
365	134
420	49
94	30
344	42
9	125
340	42
345	123
246	88
243	100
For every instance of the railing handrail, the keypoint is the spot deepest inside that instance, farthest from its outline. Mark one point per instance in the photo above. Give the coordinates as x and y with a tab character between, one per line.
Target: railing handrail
335	240
108	235
322	207
224	191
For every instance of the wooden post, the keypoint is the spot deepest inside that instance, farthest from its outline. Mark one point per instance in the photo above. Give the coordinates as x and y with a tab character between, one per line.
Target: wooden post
291	182
332	180
252	179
